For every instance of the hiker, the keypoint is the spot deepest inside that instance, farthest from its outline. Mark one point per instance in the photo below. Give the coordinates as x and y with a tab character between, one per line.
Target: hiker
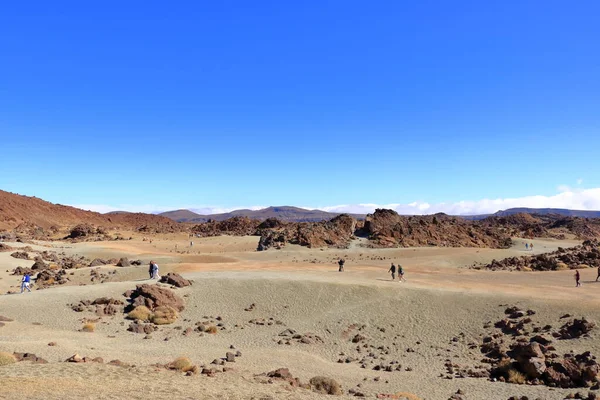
25	283
531	247
401	273
151	269
526	246
341	264
191	244
598	277
155	271
577	277
393	271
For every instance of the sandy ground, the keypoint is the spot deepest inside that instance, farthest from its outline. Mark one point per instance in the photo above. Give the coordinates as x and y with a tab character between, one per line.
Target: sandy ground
300	289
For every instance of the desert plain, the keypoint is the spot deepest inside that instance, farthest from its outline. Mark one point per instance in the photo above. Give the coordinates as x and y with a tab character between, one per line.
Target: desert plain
285	308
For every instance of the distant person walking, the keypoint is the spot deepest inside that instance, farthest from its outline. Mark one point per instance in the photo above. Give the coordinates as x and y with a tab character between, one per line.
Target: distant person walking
526	246
577	277
401	273
25	283
393	271
155	274
191	243
151	269
598	277
341	265
531	247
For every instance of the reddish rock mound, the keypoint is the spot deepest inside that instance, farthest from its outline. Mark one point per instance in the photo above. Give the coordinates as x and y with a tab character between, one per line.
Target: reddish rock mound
153	296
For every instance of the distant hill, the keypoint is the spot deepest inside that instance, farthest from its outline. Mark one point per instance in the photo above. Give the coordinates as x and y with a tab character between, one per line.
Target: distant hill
16	209
181	215
282	213
540	211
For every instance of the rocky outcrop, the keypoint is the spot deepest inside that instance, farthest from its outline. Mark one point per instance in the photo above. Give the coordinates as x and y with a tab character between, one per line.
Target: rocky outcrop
584	256
575	329
49	277
236	226
386	228
338	232
516	358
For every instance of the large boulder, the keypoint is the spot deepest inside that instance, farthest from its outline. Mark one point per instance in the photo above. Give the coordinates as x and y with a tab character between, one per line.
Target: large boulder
97	262
534	367
153	296
175	279
22	255
81	230
123	262
39	265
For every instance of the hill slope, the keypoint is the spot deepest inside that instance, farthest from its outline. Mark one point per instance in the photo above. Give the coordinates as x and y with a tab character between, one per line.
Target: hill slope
16	210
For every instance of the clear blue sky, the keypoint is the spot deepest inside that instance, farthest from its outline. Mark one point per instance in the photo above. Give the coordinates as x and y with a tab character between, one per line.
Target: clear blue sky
316	103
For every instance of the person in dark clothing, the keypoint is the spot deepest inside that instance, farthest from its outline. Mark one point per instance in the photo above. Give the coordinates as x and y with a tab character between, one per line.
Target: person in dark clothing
341	264
598	277
577	277
151	269
393	271
401	273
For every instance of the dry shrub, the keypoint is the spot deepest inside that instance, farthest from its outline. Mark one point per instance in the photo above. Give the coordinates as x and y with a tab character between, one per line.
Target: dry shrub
164	315
182	364
324	385
141	313
561	266
53	267
6	358
49	281
515	376
583	266
89	327
211	329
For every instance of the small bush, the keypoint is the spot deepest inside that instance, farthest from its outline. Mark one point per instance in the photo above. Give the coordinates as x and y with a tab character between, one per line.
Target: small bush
6	358
561	266
211	329
164	315
515	376
182	364
322	384
140	313
89	327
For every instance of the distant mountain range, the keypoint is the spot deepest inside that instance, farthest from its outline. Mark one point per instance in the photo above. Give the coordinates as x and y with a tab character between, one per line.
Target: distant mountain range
540	211
296	214
282	213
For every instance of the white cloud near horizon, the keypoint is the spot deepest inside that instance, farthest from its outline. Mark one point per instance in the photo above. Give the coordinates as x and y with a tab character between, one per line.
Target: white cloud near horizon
570	198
